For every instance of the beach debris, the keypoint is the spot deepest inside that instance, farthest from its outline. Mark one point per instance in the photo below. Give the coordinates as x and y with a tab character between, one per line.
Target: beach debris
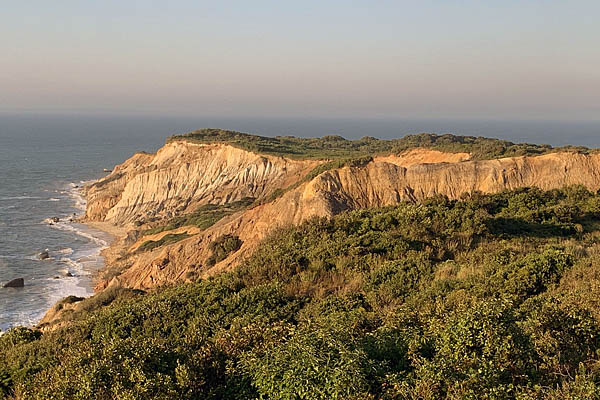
15	283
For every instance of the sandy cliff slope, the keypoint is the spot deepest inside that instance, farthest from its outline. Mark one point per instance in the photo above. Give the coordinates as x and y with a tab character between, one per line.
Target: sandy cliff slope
182	175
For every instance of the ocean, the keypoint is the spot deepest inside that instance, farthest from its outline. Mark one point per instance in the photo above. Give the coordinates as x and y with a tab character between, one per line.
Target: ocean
45	159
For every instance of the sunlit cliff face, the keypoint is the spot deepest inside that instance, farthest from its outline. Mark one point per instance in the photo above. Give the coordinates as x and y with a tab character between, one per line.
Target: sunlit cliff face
182	176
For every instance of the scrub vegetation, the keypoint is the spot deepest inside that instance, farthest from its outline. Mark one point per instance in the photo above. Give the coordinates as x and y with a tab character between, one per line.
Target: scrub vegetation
204	217
169	238
336	147
222	247
490	297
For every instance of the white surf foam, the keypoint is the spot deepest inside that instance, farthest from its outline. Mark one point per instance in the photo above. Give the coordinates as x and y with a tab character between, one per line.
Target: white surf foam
66	251
81	232
81	263
76	193
37	258
74	266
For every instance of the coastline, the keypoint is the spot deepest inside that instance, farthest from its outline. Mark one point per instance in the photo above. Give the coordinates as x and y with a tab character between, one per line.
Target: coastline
75	251
117	232
105	232
111	251
91	266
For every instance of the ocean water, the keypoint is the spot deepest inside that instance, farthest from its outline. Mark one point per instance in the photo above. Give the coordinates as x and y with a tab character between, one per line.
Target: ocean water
44	160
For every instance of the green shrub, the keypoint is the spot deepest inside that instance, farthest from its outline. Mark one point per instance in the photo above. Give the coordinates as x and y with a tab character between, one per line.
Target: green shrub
534	273
204	217
18	335
313	364
443	299
222	247
169	238
336	147
479	351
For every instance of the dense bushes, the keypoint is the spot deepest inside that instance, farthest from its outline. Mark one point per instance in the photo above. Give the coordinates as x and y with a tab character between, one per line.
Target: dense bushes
492	297
222	247
336	147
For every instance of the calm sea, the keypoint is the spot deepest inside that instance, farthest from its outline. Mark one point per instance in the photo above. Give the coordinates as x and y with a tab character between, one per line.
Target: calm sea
44	159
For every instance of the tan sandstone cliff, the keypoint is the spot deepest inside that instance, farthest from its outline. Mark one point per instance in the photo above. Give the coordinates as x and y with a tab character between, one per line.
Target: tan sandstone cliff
182	176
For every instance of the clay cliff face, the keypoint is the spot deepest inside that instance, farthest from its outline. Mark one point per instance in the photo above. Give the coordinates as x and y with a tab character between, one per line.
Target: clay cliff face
383	183
181	174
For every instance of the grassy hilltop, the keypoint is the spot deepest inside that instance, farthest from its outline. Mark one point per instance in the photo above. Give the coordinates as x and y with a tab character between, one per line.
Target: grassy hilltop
336	147
491	297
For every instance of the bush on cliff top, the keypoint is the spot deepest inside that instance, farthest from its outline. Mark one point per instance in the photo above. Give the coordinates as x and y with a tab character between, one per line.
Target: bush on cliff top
489	297
334	147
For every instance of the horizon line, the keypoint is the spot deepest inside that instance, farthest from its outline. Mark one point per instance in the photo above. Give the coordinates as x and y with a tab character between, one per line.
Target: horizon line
307	117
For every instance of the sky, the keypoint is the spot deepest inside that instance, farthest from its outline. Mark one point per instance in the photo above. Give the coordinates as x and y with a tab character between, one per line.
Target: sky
499	59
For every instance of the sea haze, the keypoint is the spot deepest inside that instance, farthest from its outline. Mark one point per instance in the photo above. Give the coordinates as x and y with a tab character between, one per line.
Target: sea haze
44	159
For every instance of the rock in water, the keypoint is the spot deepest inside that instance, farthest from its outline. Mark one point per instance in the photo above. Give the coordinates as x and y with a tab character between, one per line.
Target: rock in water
44	255
15	283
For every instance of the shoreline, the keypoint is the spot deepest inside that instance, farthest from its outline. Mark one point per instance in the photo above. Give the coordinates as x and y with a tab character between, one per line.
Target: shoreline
117	235
77	250
113	237
116	232
105	232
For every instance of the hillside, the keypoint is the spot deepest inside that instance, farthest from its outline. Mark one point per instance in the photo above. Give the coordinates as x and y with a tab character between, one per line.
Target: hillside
493	296
177	202
334	147
247	267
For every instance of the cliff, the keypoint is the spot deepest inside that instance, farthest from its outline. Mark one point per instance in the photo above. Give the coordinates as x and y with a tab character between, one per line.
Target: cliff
181	176
147	190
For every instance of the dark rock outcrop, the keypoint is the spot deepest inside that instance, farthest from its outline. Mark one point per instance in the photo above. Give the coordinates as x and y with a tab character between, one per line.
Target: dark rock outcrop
15	283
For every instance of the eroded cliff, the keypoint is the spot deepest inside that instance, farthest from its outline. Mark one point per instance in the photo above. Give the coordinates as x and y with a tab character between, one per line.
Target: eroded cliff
181	176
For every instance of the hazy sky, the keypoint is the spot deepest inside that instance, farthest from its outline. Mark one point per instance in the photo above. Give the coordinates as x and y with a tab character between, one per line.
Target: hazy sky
432	59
